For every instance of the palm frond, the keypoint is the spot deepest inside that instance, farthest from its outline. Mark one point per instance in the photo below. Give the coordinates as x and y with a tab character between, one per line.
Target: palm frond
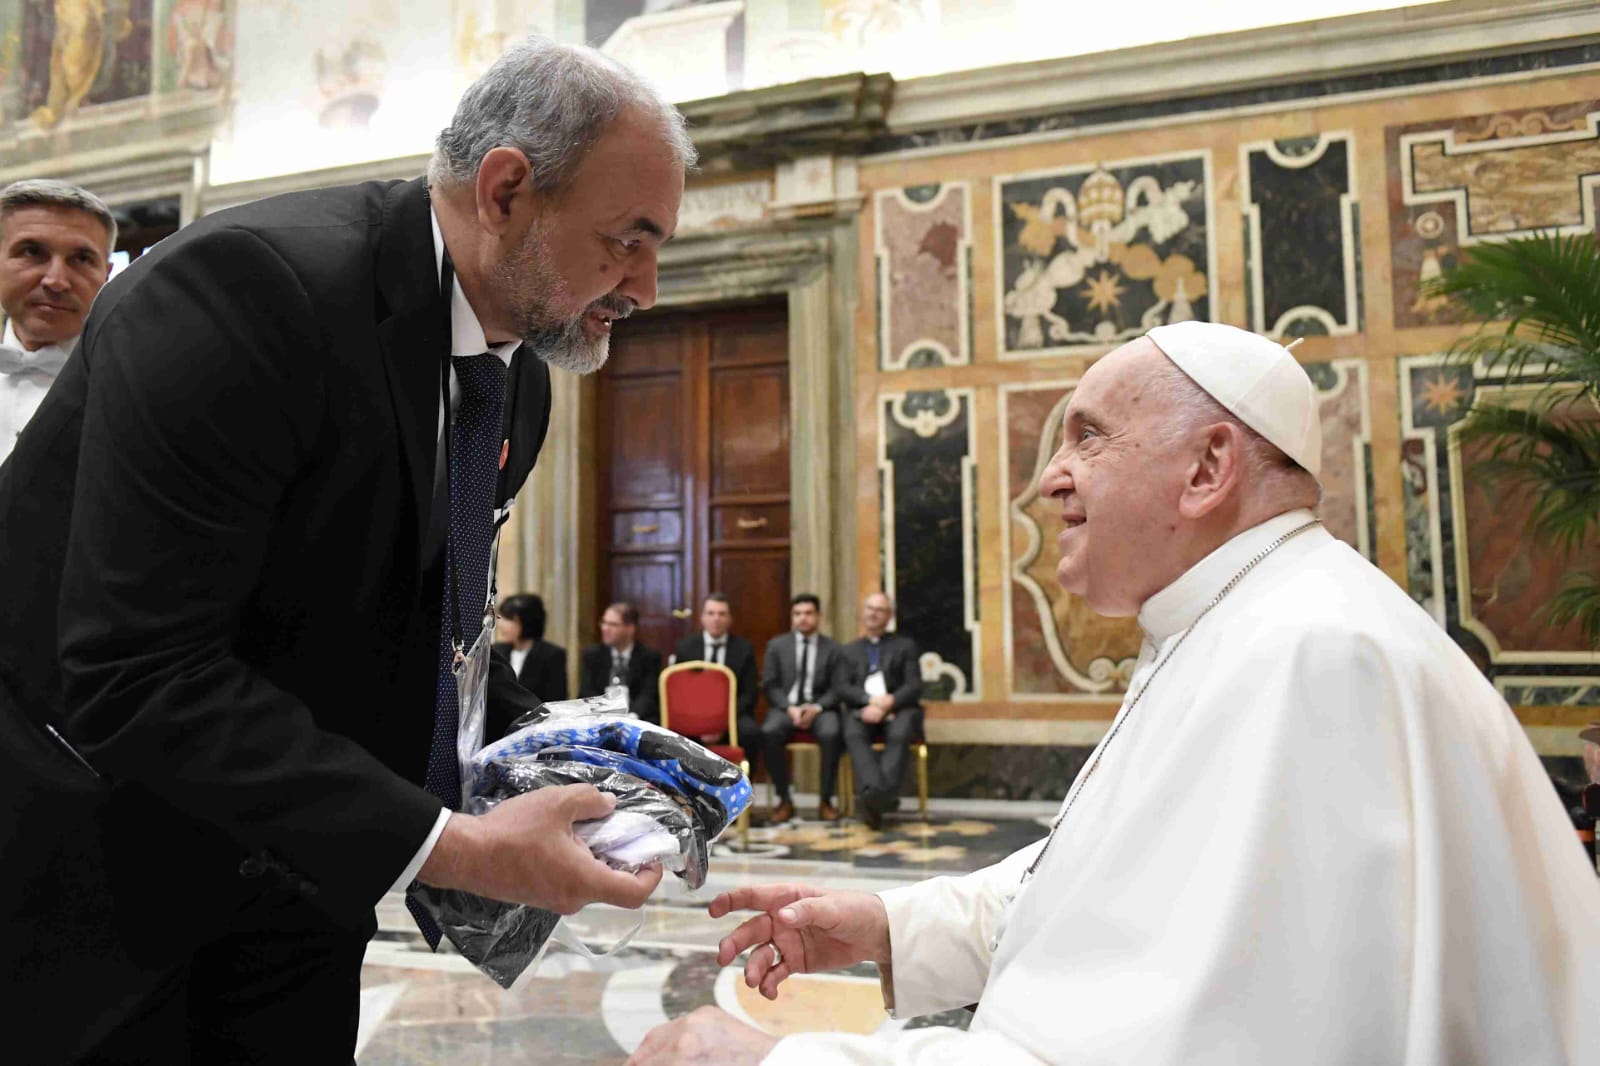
1557	459
1536	298
1578	602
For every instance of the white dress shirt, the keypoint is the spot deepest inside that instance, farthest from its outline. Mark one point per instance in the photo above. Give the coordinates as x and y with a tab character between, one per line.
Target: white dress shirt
716	648
466	339
25	377
518	657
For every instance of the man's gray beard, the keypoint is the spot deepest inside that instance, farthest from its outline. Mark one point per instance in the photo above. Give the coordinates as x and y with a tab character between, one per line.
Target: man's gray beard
533	285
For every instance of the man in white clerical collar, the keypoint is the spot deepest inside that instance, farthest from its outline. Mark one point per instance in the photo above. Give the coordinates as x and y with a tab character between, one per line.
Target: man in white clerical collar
1314	833
55	254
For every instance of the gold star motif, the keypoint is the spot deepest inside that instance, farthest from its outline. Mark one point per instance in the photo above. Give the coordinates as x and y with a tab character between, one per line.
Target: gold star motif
1442	394
1103	292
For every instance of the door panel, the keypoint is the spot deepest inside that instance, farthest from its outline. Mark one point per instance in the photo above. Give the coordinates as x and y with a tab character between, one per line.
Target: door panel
693	456
750	422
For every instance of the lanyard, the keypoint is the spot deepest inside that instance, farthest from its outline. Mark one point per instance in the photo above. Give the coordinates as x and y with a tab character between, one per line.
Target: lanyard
447	277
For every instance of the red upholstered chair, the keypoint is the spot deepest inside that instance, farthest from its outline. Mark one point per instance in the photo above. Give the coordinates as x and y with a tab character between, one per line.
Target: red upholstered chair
697	699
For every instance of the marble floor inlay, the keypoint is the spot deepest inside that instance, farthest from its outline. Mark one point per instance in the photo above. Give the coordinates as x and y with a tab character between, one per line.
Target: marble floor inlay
420	1009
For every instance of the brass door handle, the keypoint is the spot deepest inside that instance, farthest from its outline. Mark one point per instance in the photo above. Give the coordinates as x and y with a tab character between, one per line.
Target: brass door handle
651	528
752	523
682	613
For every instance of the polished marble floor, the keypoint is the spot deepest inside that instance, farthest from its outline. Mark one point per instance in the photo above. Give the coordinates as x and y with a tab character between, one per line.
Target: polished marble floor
421	1008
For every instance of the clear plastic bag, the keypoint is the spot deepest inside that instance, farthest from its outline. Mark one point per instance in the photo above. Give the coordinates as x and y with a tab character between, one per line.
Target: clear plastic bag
673	799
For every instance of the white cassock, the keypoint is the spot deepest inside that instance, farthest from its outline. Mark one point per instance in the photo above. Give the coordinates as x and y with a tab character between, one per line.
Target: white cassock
1322	838
25	377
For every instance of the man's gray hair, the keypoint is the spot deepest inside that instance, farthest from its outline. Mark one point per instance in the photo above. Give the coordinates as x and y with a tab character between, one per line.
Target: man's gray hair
1190	408
551	102
48	192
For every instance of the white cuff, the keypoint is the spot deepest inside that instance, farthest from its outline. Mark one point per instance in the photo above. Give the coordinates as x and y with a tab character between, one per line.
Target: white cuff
409	874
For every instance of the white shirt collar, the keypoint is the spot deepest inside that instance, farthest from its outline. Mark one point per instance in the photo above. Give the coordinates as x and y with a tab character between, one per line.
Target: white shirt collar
47	359
1176	607
466	332
710	640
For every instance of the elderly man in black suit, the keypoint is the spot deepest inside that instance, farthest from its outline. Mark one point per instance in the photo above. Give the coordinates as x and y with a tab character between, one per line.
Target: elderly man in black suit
540	666
717	643
882	701
800	675
244	537
619	659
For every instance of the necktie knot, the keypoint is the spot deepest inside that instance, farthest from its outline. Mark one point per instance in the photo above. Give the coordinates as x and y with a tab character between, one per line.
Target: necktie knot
482	376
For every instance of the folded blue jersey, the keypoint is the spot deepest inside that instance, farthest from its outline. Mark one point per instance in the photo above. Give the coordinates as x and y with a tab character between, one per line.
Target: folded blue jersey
715	789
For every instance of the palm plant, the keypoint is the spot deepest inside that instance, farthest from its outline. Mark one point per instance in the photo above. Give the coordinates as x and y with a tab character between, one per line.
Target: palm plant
1537	300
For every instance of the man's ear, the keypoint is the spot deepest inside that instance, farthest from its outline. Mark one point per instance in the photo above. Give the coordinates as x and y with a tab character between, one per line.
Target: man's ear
1215	474
502	181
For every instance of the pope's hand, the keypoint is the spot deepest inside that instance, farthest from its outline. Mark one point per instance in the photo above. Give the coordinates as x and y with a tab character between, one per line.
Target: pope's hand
525	851
814	931
707	1037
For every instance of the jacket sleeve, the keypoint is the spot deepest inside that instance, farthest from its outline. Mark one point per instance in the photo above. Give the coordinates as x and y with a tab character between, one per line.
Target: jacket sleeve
588	683
507	699
748	685
772	678
555	676
837	673
909	692
204	401
647	704
852	677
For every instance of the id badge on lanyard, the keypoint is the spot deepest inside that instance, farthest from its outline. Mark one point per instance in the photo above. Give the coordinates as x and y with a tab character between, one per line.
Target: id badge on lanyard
471	664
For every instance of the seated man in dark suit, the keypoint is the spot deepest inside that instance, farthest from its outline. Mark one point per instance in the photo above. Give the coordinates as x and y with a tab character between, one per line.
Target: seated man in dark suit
540	666
715	643
882	701
800	676
619	660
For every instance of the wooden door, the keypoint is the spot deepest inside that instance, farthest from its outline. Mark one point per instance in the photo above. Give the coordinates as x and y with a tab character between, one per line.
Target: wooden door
694	470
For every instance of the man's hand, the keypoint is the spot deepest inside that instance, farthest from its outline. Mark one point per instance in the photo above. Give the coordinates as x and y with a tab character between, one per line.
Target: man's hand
883	701
707	1037
524	851
808	714
815	931
872	714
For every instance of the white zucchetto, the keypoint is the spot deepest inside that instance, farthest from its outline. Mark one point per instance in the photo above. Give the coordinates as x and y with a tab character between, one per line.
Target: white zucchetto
1253	377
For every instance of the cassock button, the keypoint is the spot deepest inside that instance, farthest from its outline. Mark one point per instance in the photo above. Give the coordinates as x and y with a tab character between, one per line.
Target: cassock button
994	945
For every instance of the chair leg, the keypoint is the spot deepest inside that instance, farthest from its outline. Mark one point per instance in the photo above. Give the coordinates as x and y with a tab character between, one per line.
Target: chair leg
847	787
922	780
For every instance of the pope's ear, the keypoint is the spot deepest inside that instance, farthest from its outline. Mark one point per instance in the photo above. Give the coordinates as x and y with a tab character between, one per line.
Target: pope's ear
1216	473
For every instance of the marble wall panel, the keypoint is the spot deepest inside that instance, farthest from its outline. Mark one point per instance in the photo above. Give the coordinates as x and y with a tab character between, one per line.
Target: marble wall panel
924	261
1302	235
926	462
1471	562
1059	649
1457	181
1096	254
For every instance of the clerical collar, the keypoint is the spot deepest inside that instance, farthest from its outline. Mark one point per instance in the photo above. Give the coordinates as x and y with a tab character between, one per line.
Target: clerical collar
46	359
1175	607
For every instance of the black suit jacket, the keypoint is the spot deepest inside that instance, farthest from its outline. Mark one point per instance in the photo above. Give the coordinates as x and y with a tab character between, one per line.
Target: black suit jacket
780	666
226	495
738	656
897	658
543	673
644	676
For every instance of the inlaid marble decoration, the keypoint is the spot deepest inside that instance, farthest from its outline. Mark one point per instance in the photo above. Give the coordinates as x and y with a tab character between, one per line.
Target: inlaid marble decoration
924	261
927	451
1302	235
1455	182
1471	561
1097	254
1056	647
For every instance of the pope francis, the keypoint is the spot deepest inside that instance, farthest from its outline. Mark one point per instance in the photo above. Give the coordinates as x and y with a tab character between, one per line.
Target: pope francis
1313	834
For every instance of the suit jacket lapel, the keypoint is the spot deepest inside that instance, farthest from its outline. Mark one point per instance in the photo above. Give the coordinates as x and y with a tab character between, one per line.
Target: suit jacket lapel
526	426
413	334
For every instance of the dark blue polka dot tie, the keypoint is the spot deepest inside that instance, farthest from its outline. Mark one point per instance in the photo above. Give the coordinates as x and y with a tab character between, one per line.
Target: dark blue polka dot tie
475	444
